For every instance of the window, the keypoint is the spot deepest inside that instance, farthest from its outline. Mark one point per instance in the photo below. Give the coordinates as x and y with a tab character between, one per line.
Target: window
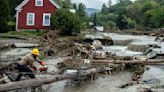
30	19
38	2
46	19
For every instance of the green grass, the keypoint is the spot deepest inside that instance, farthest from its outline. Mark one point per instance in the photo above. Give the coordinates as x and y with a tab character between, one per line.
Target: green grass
22	33
27	33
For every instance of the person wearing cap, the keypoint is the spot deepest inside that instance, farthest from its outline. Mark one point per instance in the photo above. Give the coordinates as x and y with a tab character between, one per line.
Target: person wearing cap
25	65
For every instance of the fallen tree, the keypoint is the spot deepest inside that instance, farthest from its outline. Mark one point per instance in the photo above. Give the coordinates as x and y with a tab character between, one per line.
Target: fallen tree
43	80
148	62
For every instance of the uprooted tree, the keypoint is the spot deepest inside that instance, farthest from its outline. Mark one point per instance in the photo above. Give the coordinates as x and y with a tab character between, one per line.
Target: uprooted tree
66	22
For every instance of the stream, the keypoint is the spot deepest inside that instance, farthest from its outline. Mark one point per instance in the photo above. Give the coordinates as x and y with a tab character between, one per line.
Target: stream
108	83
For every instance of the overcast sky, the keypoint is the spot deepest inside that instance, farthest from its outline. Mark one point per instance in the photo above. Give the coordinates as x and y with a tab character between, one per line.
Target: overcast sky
93	3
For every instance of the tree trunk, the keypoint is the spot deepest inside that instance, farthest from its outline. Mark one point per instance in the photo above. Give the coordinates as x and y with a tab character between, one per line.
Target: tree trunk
148	62
41	81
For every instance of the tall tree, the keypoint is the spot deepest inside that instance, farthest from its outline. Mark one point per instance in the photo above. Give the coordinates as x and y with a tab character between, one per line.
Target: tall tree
95	20
74	6
121	22
149	4
81	11
12	5
104	9
4	15
110	3
66	22
64	3
134	12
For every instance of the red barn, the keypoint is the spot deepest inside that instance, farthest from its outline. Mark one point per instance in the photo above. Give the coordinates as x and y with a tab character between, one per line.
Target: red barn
35	14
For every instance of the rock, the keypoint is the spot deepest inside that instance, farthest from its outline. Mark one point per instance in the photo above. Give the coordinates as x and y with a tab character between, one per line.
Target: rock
105	40
97	44
140	46
99	55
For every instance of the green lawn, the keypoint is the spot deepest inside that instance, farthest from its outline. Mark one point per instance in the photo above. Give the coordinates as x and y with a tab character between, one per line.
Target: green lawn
22	33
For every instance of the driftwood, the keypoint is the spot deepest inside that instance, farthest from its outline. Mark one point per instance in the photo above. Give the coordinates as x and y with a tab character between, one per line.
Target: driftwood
25	45
148	62
130	83
41	81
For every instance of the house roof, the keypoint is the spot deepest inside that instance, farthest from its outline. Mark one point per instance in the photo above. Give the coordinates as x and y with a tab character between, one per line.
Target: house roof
19	7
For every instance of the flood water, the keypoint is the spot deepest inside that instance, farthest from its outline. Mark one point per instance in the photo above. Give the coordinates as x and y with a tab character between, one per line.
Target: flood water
108	83
112	83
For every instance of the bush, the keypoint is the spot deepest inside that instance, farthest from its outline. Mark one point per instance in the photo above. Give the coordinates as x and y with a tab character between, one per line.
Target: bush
66	22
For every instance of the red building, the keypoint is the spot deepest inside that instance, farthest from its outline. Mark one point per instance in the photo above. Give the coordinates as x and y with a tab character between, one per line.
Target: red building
35	14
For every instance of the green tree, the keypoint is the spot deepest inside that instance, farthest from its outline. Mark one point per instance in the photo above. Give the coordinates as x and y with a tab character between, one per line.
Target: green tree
110	3
64	3
95	20
121	22
59	2
131	23
104	9
154	18
4	15
67	4
12	5
74	6
66	22
134	12
81	11
149	4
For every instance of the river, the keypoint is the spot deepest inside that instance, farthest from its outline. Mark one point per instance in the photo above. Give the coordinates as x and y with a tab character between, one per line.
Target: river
108	83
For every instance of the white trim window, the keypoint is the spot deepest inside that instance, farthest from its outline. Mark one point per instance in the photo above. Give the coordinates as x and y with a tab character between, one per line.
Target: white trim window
30	19
46	19
38	2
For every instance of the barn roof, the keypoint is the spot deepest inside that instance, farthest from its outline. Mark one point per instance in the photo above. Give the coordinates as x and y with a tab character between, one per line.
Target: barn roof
19	7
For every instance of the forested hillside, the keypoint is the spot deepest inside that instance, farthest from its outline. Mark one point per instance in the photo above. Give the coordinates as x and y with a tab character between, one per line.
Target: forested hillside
125	14
145	14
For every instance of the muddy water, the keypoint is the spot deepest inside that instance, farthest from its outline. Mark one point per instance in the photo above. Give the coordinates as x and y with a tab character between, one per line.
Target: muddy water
103	84
112	83
156	72
106	84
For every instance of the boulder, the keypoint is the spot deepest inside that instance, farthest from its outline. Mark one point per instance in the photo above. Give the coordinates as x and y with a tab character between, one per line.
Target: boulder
99	55
97	44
